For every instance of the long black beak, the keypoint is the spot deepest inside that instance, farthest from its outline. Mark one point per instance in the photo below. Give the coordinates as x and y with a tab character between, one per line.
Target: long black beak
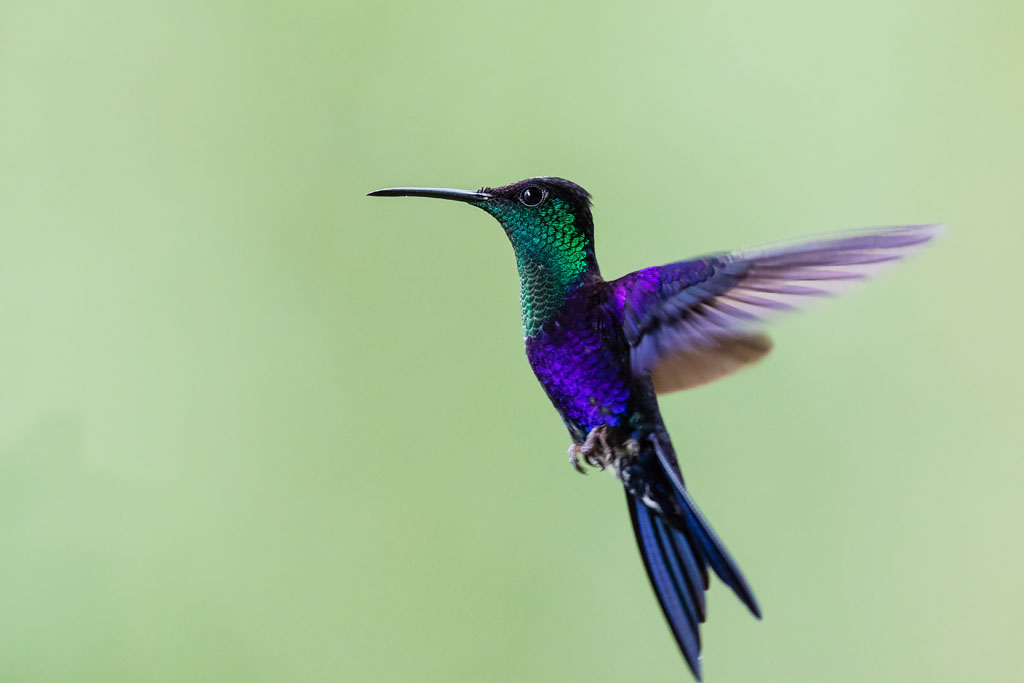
436	192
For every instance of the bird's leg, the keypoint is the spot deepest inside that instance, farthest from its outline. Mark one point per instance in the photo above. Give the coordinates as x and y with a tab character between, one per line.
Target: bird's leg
629	450
597	438
598	450
595	448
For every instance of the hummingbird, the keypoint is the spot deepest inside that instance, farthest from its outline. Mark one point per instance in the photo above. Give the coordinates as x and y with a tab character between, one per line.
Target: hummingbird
604	350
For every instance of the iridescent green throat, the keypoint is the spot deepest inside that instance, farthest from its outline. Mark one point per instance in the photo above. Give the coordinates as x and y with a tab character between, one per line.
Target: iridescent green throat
553	255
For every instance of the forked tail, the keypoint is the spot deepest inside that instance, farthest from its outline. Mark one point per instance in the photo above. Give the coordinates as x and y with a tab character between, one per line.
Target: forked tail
678	545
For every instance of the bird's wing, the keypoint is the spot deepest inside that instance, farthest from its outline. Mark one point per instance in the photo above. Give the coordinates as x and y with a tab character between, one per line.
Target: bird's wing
692	322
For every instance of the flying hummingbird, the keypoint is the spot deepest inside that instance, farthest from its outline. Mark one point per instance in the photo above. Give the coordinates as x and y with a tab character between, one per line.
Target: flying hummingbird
604	351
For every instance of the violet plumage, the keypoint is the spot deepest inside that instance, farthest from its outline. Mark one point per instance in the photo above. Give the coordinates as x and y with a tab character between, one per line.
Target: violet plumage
603	350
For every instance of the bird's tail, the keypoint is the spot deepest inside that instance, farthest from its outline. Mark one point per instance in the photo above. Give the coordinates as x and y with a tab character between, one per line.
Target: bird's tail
678	545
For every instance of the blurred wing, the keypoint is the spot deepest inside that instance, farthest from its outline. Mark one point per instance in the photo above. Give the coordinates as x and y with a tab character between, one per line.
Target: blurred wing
692	322
686	370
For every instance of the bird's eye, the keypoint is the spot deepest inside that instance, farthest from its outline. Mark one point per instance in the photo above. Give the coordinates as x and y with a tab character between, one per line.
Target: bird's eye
531	196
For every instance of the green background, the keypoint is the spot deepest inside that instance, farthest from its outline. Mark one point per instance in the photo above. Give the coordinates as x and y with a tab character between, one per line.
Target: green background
257	427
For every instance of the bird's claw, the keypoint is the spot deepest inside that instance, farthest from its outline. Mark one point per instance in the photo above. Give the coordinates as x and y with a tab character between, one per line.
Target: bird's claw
597	451
574	458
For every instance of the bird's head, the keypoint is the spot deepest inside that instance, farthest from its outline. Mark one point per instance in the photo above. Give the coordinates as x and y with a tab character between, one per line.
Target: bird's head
546	219
548	222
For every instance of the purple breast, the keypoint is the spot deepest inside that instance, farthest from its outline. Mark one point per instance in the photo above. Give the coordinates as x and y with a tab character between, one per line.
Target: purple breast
581	360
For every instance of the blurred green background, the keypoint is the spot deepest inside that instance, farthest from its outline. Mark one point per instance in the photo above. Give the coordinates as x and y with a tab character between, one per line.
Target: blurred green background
258	427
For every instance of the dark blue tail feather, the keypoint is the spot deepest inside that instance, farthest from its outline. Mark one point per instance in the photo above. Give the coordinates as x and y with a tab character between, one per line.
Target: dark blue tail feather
675	595
678	545
685	564
716	555
707	542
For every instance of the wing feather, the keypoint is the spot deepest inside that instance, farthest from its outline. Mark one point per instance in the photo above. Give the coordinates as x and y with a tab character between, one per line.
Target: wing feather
692	322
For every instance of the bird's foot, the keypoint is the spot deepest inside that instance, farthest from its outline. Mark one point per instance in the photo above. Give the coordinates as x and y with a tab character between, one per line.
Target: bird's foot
601	452
574	458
